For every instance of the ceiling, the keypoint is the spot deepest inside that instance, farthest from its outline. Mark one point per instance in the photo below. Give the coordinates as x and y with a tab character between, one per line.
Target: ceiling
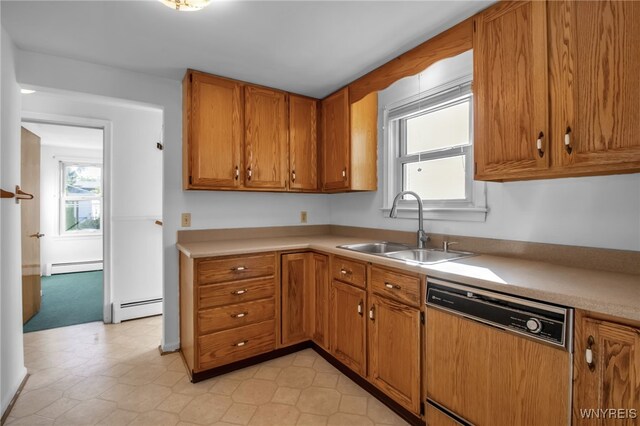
307	47
66	136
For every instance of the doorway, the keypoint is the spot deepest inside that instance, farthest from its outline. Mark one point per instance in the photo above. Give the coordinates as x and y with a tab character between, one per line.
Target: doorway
62	230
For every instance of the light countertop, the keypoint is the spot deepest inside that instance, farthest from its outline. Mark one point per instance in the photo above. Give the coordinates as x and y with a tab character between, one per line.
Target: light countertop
604	292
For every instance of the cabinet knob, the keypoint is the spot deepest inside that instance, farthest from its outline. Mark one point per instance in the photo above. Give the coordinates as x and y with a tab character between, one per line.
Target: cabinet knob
345	271
360	307
567	141
249	173
539	144
588	354
237	173
293	176
344	173
372	313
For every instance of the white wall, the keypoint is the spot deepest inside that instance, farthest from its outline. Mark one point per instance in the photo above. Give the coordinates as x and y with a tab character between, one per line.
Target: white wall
55	248
599	211
135	185
12	370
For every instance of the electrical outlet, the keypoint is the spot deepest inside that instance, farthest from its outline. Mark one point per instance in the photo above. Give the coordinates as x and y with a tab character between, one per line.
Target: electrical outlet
303	217
186	220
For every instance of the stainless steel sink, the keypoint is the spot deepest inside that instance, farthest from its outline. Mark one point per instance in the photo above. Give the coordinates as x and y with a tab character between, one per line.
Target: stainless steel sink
428	256
376	248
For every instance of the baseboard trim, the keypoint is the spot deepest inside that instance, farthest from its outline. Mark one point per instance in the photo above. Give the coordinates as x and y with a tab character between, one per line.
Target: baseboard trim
163	353
7	412
406	415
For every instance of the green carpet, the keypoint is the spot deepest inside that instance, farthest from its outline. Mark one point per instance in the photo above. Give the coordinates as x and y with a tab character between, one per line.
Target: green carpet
68	299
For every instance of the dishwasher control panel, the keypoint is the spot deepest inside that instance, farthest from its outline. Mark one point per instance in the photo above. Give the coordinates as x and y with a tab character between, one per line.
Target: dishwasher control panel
537	320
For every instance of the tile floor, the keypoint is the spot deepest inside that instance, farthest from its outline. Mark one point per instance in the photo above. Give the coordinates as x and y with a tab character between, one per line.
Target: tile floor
113	375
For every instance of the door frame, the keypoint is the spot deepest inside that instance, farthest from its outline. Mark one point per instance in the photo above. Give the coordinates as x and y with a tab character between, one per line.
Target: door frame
107	131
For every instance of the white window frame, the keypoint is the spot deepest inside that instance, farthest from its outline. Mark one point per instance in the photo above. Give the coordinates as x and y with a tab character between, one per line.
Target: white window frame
473	207
64	198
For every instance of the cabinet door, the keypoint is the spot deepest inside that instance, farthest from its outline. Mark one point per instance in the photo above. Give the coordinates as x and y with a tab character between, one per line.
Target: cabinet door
213	130
336	141
594	64
348	326
320	268
295	269
613	380
303	144
510	91
394	350
266	136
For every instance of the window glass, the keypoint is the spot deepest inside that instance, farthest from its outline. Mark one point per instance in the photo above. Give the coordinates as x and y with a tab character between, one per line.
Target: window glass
439	128
82	180
82	215
439	179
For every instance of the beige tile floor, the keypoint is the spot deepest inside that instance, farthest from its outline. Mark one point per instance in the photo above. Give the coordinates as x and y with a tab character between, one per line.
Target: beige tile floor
113	375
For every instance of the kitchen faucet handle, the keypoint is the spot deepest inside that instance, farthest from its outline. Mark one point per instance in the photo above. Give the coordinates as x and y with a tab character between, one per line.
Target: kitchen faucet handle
446	244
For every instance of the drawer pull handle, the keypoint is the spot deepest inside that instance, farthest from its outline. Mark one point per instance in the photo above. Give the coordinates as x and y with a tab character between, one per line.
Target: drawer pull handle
372	313
239	292
567	141
360	305
240	315
239	268
392	286
239	344
588	354
539	145
345	271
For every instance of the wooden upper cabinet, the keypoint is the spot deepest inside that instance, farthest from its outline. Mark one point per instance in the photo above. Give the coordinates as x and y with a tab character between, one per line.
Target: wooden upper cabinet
349	143
613	379
266	138
213	134
594	68
511	91
336	141
303	143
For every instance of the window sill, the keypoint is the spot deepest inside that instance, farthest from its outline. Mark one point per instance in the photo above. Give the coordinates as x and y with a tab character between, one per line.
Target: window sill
77	236
456	214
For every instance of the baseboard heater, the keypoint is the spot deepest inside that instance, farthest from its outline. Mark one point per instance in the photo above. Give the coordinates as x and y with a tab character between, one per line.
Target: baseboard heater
132	310
66	268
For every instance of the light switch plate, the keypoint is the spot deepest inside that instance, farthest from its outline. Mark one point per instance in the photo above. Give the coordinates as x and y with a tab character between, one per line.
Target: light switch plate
303	217
186	220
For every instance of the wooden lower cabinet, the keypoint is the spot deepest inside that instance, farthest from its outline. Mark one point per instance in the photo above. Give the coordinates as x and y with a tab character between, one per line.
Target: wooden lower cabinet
295	298
321	284
348	326
611	382
394	350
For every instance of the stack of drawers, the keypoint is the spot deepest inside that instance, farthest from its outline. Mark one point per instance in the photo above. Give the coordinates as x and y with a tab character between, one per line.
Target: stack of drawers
234	301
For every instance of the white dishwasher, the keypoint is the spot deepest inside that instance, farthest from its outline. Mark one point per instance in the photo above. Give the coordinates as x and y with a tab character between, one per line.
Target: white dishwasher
494	359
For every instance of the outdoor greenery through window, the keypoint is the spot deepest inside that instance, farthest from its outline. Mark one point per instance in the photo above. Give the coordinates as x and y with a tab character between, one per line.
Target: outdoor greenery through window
81	198
434	149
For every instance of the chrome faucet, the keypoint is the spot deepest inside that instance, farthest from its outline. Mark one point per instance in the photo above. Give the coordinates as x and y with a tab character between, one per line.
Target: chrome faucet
422	236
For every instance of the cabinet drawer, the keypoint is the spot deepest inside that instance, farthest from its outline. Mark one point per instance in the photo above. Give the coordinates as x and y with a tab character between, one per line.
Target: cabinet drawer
236	268
210	296
231	316
349	271
236	344
397	286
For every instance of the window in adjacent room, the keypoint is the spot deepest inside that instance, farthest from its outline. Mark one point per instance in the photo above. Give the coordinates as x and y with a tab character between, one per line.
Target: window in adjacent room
80	198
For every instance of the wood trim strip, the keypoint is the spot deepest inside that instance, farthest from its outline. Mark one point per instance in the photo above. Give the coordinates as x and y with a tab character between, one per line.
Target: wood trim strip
7	412
451	42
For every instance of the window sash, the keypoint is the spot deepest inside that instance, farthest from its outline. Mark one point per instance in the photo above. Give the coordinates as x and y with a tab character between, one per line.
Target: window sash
64	198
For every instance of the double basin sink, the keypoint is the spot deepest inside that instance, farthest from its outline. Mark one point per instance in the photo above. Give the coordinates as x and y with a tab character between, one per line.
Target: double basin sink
403	252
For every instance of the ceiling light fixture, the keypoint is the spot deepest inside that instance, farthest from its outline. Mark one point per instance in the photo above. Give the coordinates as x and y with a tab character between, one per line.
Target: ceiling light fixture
186	5
27	91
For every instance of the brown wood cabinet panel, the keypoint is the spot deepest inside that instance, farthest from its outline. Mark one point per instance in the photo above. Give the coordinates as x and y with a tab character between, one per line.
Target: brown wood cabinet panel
402	287
266	138
322	284
436	417
187	311
348	326
213	132
235	292
511	91
235	268
613	381
349	271
232	316
232	345
363	166
462	369
303	143
394	350
336	135
595	95
295	274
